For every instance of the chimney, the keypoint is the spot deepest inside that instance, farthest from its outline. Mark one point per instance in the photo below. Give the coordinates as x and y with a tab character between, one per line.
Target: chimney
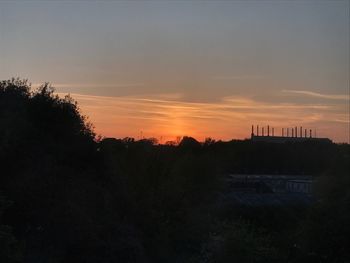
301	131
305	133
252	130
296	131
273	131
287	132
257	130
262	131
268	130
292	132
310	133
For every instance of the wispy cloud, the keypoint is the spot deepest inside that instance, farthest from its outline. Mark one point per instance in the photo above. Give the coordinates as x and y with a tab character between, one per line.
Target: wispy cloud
319	95
165	115
237	77
89	85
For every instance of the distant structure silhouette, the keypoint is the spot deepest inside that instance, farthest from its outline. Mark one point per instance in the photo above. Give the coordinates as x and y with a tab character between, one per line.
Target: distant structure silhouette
285	137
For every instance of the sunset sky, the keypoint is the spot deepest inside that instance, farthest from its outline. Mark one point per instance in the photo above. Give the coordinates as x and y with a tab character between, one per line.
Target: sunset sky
200	68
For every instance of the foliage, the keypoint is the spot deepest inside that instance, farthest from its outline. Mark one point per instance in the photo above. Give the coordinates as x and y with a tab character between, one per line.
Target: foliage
9	247
239	241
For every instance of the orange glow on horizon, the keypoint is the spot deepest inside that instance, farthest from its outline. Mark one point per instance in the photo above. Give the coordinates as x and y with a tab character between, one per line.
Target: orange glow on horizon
231	118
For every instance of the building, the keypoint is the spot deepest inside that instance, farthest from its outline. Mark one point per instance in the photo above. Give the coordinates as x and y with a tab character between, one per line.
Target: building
299	186
268	190
287	135
270	183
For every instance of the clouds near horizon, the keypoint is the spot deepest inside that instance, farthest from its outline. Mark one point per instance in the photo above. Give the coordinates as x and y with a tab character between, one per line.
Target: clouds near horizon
167	117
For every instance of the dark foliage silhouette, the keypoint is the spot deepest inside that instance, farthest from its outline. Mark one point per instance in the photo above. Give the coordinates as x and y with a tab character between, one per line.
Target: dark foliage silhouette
66	196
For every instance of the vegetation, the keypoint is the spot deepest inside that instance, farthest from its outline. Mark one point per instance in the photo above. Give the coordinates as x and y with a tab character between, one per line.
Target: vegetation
67	197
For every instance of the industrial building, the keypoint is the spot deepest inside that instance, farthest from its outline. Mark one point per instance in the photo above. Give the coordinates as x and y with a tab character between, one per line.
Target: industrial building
271	183
269	190
294	134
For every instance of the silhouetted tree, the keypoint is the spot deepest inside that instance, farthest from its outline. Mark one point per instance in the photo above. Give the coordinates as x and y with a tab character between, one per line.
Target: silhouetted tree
189	144
75	198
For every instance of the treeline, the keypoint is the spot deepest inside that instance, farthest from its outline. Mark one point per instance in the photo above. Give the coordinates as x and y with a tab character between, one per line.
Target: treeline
67	197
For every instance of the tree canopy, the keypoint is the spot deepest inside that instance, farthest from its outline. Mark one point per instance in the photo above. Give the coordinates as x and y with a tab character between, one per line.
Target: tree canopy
67	197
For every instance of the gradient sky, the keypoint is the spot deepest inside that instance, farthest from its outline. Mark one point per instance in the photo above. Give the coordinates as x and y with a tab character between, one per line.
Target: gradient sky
174	68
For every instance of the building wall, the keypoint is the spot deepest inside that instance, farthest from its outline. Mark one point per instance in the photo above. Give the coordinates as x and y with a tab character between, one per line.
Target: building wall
299	187
280	139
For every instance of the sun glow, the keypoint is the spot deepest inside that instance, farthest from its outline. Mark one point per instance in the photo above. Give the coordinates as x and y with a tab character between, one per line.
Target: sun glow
168	118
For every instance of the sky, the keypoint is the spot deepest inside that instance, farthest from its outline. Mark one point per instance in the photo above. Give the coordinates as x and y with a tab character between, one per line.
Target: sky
165	69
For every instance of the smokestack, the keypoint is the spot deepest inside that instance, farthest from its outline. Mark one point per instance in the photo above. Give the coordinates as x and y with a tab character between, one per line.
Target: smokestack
262	131
287	132
305	133
268	130
296	131
310	133
292	132
273	131
257	130
301	131
252	130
